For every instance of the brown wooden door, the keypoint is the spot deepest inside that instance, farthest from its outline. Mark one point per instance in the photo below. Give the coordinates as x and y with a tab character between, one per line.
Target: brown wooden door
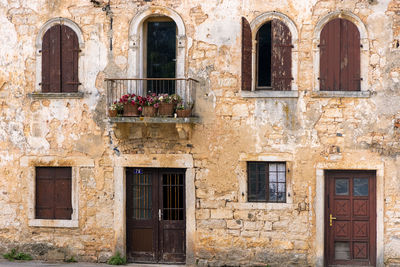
155	216
350	218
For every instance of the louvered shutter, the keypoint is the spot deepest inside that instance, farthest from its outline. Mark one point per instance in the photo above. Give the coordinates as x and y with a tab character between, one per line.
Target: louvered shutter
246	55
44	207
281	60
330	56
69	60
53	193
349	56
51	68
62	197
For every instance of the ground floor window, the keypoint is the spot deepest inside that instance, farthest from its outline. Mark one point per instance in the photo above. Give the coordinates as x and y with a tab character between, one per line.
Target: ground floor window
53	193
266	181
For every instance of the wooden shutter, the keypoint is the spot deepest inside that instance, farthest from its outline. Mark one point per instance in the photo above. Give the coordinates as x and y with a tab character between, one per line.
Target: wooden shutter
246	55
349	56
340	56
281	60
51	68
69	60
53	193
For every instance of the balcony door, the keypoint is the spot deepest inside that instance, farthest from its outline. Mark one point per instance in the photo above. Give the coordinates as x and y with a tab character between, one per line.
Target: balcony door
161	54
155	215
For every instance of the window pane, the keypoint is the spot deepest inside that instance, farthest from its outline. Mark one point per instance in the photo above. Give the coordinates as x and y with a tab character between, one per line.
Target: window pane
273	194
264	55
257	182
272	177
282	167
342	187
281	177
272	167
360	187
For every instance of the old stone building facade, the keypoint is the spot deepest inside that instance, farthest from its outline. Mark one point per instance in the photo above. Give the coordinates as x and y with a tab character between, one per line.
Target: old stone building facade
320	151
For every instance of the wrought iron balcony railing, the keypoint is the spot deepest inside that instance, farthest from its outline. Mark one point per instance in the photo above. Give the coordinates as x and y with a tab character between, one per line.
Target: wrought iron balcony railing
184	87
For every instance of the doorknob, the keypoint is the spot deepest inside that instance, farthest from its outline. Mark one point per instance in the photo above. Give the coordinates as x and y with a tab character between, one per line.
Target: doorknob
331	218
159	214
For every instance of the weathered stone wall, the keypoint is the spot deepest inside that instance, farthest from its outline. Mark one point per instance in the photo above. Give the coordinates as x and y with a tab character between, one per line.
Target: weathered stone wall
306	132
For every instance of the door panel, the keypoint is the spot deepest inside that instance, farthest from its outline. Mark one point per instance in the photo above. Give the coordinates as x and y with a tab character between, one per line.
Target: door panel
156	215
350	218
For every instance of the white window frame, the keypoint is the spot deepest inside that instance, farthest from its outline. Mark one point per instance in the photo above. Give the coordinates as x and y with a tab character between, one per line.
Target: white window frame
255	25
364	56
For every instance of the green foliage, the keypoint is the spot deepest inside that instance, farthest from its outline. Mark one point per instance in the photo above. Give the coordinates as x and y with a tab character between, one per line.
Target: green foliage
117	260
19	256
71	259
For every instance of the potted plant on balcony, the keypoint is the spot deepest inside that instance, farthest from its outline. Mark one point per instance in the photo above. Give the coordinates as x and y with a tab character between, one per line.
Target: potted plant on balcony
130	105
115	109
166	105
149	105
184	110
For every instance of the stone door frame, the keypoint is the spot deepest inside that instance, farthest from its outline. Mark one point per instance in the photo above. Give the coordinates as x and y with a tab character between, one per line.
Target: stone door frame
184	161
319	204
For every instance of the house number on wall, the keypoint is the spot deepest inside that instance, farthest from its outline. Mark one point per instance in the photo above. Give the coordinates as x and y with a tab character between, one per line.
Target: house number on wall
138	171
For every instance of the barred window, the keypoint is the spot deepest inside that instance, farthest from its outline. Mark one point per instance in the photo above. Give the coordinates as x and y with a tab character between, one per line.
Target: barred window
266	181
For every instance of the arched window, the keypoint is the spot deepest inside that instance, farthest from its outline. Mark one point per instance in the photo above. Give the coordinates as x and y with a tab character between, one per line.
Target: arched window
340	56
60	49
160	54
267	53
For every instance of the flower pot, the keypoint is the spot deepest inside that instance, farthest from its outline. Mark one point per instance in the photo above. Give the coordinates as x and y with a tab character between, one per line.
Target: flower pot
149	111
166	109
112	113
182	113
131	110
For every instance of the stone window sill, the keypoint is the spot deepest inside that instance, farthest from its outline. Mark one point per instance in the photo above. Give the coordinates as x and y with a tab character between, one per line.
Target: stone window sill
40	95
53	223
270	94
328	94
259	206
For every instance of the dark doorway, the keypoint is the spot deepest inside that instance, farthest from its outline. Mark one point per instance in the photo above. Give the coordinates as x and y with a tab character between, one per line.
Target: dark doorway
161	56
155	215
350	218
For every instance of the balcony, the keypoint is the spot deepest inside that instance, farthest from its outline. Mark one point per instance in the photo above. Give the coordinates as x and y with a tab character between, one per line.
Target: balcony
184	88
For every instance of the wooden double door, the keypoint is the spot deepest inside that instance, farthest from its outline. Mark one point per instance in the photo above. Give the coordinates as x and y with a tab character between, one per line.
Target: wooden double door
155	215
350	218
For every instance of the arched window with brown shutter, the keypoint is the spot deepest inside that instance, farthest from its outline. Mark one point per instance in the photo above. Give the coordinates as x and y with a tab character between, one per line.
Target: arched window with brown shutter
274	57
340	56
60	50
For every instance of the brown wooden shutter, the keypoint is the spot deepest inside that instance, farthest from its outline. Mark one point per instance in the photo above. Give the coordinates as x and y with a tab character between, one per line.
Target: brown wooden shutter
340	56
281	60
246	55
51	68
349	56
69	60
53	193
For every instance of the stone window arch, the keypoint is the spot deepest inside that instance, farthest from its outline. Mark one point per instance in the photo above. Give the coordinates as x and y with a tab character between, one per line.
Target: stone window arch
136	52
364	47
39	47
255	27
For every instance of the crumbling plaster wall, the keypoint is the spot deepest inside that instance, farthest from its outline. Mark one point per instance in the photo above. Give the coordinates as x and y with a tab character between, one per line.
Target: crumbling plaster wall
303	131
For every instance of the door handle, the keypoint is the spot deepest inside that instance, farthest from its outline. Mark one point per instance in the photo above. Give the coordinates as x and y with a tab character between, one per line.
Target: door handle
331	218
159	214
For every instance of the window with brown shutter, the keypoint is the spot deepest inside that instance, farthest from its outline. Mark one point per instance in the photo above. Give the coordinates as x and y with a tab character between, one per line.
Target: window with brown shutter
340	56
60	50
273	56
53	193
